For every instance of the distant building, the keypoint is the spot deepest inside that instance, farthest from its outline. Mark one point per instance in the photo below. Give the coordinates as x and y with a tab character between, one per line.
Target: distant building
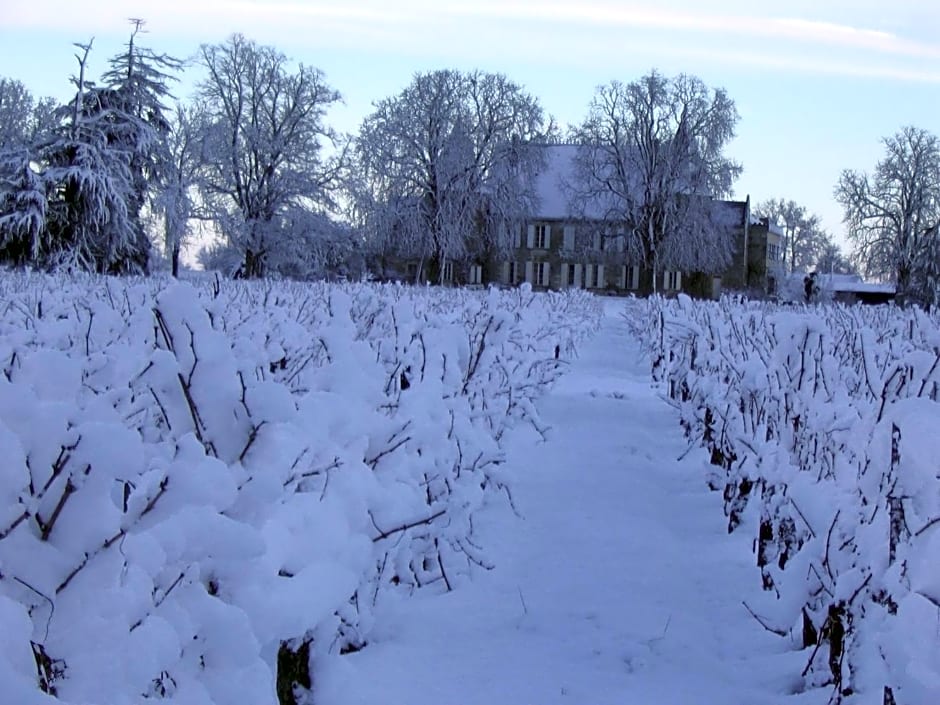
558	248
844	288
850	289
765	257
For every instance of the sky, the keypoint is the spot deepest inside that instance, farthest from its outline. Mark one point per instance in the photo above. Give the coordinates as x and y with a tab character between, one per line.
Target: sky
818	85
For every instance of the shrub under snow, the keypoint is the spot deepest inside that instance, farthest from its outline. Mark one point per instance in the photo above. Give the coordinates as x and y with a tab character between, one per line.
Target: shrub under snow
204	487
824	431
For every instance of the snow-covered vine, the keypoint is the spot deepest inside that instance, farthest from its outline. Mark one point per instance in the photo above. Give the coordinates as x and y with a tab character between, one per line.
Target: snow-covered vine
205	487
822	427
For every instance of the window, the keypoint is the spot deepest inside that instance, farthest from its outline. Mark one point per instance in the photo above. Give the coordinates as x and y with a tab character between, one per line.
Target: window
476	274
540	273
633	282
571	278
447	275
568	237
672	281
541	237
512	276
773	252
589	281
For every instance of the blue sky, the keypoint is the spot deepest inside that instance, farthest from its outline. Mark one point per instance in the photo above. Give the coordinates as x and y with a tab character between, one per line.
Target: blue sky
817	84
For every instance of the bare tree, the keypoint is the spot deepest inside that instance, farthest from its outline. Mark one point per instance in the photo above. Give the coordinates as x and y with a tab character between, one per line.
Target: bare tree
176	200
925	279
445	166
892	215
22	118
805	240
265	140
651	160
831	259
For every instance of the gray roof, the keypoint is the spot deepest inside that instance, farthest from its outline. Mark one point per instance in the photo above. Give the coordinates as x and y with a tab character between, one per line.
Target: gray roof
552	180
554	187
853	283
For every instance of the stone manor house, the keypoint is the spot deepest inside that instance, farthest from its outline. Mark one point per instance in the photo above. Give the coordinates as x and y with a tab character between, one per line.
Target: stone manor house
554	249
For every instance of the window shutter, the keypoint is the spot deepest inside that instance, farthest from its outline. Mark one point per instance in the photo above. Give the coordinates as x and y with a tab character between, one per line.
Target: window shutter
635	277
569	237
528	271
564	275
547	274
678	281
516	238
619	242
597	241
505	277
548	237
530	237
623	277
577	275
601	281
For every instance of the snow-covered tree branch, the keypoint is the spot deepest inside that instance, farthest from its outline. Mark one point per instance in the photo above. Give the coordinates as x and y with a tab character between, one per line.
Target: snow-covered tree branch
266	141
445	166
892	214
651	159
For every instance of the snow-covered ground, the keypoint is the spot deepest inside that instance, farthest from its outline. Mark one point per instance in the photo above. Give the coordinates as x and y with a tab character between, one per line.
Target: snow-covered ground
618	582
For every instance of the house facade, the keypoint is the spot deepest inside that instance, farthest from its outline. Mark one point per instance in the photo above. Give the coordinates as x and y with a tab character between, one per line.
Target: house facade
558	249
765	257
559	253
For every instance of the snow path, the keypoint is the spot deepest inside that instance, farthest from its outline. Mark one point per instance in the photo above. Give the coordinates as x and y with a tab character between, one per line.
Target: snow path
618	585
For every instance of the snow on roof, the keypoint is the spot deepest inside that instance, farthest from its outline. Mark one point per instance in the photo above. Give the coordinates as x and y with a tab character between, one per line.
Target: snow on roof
557	170
553	185
861	287
848	283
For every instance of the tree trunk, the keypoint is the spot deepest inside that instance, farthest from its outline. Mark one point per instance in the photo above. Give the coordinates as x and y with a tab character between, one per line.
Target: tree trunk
253	266
904	284
293	669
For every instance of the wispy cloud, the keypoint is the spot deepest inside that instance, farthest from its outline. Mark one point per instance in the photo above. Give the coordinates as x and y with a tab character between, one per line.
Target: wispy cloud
645	16
811	39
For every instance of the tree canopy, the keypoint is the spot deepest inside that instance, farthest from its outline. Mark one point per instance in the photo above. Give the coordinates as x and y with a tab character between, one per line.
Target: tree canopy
892	213
445	167
652	157
265	167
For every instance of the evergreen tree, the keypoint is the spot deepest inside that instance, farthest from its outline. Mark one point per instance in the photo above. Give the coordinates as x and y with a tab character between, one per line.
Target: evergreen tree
22	208
105	160
89	185
136	86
